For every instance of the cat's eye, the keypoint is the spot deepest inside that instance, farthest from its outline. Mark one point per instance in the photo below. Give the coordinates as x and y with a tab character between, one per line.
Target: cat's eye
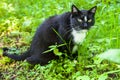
90	20
79	20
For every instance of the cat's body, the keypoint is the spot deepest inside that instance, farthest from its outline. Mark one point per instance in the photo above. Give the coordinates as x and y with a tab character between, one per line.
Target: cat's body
55	30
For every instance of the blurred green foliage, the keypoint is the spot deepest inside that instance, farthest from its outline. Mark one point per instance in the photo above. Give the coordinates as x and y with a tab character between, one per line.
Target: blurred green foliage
19	20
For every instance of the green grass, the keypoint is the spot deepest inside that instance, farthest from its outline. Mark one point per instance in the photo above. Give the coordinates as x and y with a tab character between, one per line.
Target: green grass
19	20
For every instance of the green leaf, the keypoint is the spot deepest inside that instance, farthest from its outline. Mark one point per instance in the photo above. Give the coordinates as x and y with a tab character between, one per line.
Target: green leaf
56	52
27	23
1	51
83	78
111	55
103	77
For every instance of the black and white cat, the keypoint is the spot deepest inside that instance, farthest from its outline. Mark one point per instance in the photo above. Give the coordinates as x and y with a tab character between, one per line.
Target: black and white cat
71	26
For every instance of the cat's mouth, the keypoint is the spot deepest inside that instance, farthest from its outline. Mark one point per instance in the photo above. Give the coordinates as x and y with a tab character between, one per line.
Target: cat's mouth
82	31
79	30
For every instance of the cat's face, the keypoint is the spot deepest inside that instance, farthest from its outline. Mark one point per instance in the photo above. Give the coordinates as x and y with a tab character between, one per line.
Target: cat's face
82	19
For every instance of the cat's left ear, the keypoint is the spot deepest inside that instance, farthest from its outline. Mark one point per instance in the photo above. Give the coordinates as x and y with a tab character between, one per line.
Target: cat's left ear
93	9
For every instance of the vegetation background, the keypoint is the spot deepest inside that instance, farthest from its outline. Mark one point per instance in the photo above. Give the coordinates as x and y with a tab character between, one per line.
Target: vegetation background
19	20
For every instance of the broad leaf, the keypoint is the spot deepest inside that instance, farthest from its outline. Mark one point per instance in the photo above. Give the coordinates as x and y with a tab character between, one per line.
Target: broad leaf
111	54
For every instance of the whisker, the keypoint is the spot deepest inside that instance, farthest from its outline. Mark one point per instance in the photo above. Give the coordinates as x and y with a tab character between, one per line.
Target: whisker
67	32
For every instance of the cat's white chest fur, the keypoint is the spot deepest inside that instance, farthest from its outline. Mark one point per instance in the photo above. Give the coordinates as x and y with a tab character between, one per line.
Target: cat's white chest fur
79	36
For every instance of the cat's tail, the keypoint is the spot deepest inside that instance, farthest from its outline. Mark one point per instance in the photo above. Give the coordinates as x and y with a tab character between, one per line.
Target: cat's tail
14	56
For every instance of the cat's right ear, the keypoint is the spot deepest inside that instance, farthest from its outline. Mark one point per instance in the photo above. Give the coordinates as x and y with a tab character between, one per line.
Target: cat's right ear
74	9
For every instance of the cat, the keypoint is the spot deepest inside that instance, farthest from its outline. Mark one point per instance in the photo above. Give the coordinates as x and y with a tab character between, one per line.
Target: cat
69	27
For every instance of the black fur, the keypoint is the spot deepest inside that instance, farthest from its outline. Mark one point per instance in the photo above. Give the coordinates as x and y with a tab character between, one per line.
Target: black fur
46	35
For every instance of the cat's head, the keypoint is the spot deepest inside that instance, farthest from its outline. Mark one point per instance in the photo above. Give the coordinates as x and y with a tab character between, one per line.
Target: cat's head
82	19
